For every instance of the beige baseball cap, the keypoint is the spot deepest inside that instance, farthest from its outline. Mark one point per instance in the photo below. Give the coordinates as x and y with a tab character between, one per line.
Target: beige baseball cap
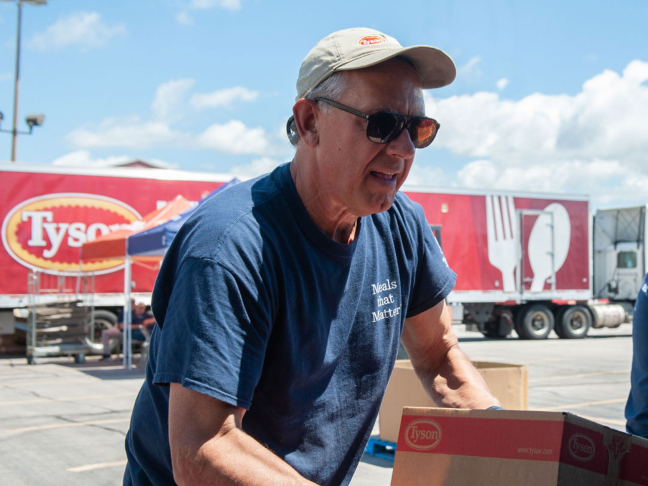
360	47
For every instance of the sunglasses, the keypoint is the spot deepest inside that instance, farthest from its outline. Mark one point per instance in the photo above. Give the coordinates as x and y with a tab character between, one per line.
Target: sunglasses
384	126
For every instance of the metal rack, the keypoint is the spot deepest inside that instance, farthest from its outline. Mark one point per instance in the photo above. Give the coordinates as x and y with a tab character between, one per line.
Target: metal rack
59	319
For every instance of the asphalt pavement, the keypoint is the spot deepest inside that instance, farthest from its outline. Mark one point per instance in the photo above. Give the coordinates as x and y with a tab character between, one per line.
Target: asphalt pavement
63	423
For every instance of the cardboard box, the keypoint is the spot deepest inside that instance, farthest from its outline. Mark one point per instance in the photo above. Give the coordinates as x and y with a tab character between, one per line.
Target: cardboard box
438	446
507	382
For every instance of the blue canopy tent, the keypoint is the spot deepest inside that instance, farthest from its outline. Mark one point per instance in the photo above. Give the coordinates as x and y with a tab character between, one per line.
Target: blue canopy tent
155	241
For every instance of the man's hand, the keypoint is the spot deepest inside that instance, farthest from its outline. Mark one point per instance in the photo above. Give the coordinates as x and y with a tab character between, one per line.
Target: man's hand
209	447
445	371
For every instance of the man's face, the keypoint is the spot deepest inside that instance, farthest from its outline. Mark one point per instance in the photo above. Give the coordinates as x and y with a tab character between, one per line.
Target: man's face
356	173
140	309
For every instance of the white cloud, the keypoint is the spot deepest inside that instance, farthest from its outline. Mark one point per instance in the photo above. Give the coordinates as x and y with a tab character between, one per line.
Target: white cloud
606	182
502	83
207	4
84	29
83	158
223	97
235	138
575	176
184	18
170	106
606	120
128	133
470	71
593	142
169	102
256	168
423	175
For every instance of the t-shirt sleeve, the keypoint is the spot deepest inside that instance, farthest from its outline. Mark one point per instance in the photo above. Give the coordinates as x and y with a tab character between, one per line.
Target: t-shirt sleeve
215	333
434	278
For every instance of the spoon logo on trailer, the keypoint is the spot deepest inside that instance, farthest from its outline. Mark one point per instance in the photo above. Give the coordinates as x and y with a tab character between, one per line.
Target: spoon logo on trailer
46	232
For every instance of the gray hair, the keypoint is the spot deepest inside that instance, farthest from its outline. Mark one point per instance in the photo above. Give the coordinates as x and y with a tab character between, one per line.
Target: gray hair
332	87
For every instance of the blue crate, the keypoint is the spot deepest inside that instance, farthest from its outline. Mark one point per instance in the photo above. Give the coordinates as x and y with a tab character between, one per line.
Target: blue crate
381	448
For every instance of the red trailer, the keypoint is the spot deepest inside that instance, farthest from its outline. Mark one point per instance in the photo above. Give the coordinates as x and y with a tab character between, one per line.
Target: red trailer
48	212
523	260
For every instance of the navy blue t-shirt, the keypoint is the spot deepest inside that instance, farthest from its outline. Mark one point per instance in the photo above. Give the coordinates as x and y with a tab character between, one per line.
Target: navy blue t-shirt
636	411
258	308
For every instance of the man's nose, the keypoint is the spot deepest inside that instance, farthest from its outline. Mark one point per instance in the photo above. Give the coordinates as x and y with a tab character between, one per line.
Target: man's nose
402	146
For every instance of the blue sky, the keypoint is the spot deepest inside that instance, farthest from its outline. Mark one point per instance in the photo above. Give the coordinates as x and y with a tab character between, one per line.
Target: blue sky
550	96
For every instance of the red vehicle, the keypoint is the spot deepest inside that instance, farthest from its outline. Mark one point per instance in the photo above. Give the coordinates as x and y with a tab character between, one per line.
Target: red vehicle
48	212
523	260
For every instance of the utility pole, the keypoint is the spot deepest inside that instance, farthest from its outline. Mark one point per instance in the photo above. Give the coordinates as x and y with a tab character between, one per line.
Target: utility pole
15	131
16	87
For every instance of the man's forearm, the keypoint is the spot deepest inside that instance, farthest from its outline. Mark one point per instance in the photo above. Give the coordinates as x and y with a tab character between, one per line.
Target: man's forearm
208	446
457	384
234	458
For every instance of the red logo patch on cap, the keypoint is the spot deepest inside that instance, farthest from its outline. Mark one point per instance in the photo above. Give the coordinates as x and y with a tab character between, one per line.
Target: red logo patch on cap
370	40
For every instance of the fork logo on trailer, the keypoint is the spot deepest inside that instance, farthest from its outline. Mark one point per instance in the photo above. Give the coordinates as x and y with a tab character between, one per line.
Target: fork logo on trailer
546	249
46	232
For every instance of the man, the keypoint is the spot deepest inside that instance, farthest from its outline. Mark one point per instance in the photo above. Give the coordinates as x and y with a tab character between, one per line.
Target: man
139	319
636	411
282	302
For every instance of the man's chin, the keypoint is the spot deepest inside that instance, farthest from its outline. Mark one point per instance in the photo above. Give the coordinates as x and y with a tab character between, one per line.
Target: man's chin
381	203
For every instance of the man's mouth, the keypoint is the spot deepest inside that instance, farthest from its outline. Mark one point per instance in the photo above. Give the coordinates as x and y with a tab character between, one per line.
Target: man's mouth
385	176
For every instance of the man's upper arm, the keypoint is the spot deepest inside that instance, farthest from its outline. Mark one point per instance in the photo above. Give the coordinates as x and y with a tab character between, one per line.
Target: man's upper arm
195	419
428	337
214	335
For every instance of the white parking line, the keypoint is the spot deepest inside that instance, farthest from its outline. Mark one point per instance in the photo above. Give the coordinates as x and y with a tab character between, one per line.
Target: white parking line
604	420
581	375
66	425
53	381
586	404
100	465
545	360
70	399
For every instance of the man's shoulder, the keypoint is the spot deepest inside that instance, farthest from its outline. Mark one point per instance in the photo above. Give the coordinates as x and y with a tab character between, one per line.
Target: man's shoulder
235	215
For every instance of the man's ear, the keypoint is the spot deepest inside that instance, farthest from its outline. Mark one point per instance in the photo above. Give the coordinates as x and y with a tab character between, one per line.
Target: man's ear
305	121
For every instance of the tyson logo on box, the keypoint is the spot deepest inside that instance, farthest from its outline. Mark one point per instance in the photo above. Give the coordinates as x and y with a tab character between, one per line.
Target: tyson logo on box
581	447
423	434
46	232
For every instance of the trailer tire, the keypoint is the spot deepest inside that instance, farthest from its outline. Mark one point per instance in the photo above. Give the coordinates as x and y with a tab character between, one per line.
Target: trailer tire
103	320
500	326
573	322
535	321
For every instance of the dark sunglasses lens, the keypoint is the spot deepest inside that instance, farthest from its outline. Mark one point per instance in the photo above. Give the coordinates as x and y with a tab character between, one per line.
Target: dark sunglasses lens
423	131
381	127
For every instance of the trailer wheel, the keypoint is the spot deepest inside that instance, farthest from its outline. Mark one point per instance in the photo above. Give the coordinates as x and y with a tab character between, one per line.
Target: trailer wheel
534	322
500	326
103	320
573	322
